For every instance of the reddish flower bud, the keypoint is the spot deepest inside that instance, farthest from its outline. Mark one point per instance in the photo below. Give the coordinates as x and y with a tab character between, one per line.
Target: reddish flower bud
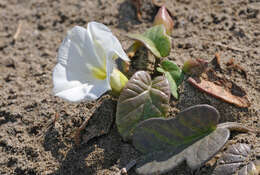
195	67
163	17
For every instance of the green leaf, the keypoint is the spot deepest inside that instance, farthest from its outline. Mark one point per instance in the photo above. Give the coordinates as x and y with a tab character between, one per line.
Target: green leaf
173	86
156	40
174	70
149	44
141	99
162	41
159	69
190	136
173	74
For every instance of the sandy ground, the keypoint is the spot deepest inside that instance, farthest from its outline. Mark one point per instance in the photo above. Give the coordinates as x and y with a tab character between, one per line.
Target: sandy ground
28	146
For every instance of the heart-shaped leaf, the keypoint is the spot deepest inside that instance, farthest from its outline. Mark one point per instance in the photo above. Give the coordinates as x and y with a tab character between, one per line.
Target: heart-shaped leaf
190	136
141	99
195	155
173	74
156	40
188	126
234	158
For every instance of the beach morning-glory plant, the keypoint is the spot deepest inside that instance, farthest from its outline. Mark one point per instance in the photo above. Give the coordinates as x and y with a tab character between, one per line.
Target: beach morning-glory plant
86	66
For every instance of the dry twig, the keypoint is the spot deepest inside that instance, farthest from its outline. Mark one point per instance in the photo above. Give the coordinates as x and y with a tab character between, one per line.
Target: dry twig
18	31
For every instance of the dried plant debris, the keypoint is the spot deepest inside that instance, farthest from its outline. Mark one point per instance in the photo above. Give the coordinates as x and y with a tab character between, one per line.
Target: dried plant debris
221	88
231	65
195	67
216	62
190	136
236	160
205	78
142	98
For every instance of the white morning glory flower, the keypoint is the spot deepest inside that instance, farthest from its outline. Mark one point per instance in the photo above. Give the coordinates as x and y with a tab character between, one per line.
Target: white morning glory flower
86	64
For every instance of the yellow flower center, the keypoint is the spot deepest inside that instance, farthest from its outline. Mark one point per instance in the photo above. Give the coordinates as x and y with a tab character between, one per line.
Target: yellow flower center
99	73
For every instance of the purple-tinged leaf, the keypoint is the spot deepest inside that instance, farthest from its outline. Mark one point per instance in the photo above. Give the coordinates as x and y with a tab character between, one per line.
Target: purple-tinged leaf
190	136
142	98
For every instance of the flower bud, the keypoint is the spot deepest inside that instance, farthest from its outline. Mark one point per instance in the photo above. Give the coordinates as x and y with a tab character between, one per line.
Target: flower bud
117	82
163	17
195	67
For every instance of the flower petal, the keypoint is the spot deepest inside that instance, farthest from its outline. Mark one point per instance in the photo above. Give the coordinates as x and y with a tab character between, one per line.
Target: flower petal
74	90
103	35
72	76
78	44
81	52
110	65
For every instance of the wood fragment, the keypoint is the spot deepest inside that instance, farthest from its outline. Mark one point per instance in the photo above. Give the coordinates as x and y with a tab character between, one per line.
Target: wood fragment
18	31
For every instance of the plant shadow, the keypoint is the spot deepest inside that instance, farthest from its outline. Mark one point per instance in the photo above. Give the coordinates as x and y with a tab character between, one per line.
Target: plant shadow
103	155
101	150
53	144
127	15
